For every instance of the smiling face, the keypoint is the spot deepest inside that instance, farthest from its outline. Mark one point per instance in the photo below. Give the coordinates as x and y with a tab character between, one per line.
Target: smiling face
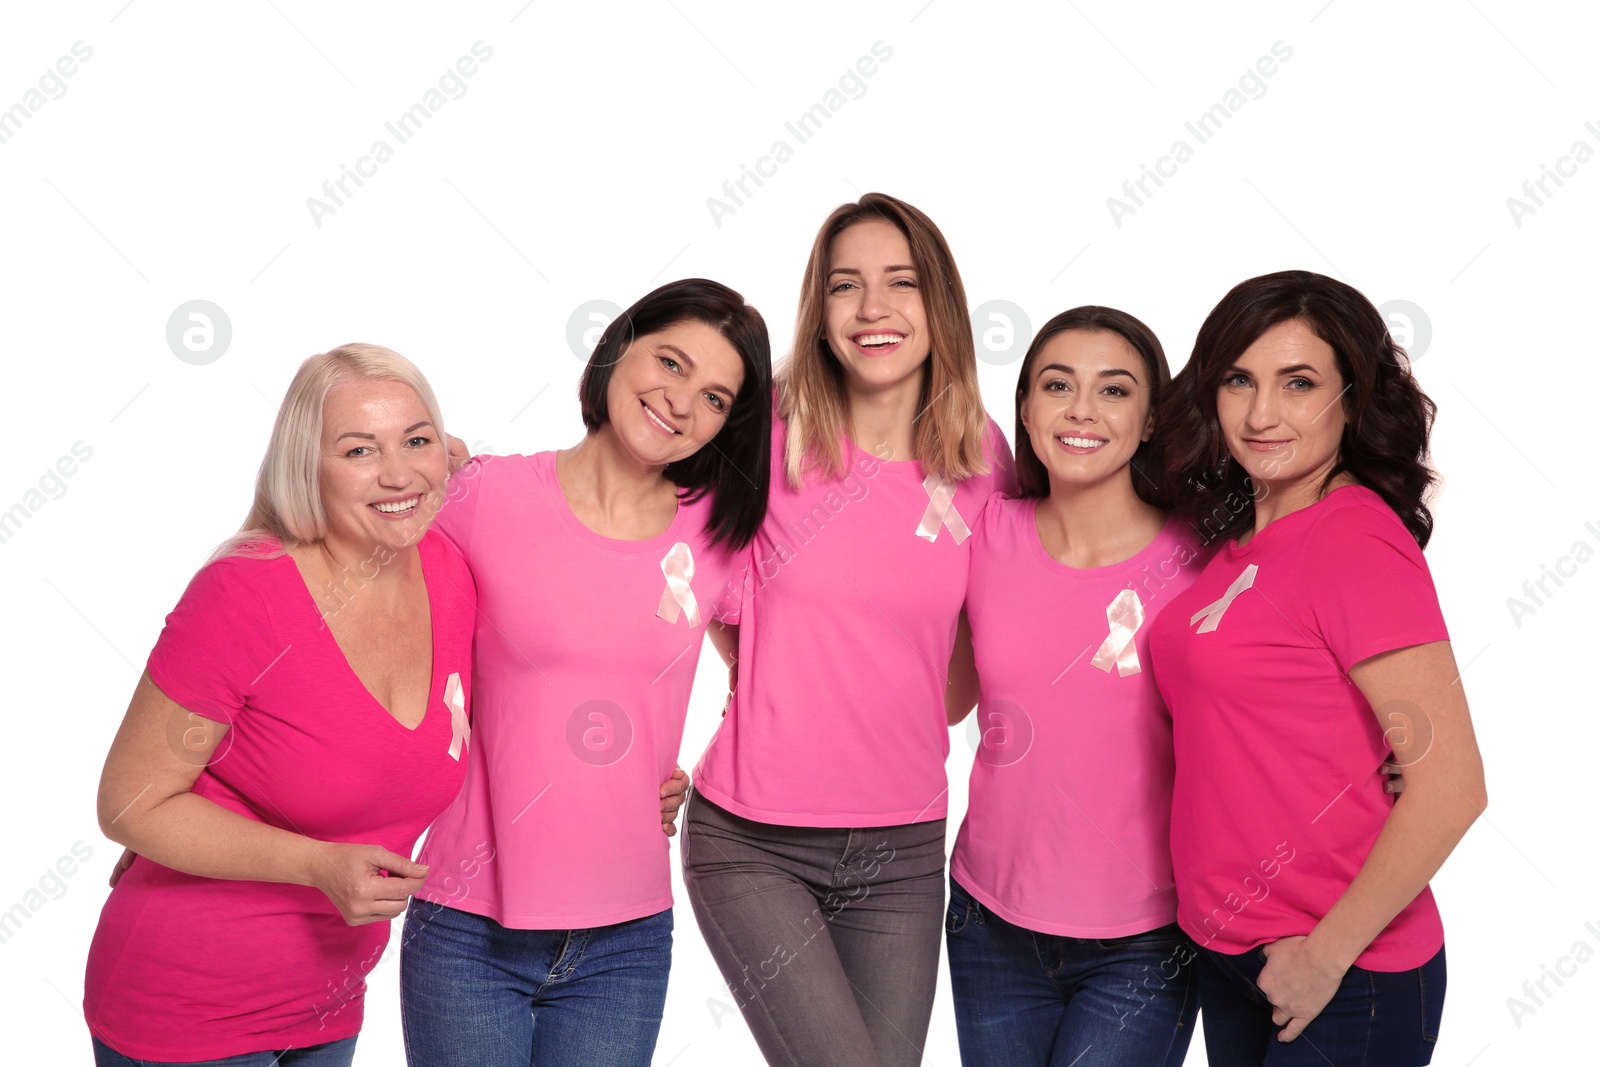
1088	406
1280	408
874	321
383	467
671	392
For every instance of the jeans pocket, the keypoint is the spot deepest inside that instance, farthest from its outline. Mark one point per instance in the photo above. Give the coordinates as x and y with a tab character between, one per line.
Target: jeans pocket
958	912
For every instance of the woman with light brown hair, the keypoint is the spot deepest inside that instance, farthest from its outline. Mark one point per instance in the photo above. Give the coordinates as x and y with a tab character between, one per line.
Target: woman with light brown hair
814	839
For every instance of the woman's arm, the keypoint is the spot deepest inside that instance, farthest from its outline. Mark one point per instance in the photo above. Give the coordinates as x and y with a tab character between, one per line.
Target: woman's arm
961	691
1417	697
145	803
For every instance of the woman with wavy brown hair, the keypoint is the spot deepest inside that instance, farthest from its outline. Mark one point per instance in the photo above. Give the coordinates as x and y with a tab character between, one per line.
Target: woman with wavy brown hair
1309	650
814	839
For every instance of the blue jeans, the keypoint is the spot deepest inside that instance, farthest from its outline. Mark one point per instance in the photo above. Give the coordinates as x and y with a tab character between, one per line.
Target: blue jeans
474	993
1026	998
328	1054
1376	1019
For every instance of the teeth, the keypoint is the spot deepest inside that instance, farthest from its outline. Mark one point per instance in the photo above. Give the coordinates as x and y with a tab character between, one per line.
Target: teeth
656	420
880	339
398	506
1080	442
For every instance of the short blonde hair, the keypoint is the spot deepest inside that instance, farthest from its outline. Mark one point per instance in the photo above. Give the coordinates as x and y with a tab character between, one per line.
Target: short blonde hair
288	501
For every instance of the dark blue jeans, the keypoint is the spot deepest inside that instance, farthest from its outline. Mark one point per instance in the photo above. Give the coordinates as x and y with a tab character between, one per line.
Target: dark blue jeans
327	1054
1026	998
474	993
1376	1019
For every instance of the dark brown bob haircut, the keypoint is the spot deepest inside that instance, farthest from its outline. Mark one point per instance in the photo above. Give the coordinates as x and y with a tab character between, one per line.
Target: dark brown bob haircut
735	466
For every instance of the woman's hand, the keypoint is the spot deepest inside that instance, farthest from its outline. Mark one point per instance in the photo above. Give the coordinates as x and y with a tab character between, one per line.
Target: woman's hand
123	863
1394	778
1298	982
673	792
458	452
367	883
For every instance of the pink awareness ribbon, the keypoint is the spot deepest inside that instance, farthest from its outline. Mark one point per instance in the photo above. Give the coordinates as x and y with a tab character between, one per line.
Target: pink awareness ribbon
1212	612
678	566
460	728
1125	614
941	511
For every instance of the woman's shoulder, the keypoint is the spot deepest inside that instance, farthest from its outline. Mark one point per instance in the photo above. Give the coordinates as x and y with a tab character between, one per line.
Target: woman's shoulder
507	466
1352	513
258	565
1001	518
437	546
485	475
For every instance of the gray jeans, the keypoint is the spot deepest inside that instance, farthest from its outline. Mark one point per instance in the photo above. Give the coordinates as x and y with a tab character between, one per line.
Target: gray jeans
827	937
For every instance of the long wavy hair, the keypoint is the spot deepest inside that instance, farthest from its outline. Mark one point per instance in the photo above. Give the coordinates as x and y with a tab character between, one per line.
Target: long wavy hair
735	466
1388	417
288	500
1032	477
948	438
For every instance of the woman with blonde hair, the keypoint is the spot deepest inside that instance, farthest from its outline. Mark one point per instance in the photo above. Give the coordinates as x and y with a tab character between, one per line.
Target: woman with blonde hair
301	720
814	847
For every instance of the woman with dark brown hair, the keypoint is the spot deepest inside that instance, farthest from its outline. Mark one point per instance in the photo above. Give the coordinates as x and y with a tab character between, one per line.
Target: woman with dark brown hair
1309	650
1061	932
814	839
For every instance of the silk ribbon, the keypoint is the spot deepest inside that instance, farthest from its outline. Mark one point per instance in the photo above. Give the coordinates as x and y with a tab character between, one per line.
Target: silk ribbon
678	596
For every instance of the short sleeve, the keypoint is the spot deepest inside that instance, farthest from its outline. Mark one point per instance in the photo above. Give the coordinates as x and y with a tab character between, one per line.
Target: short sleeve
1373	592
462	494
218	641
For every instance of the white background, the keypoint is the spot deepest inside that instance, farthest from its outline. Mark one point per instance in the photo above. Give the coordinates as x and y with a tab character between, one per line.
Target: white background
578	165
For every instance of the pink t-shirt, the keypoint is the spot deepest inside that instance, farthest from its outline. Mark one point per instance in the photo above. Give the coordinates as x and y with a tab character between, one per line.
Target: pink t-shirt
584	662
185	968
1278	797
1071	792
838	718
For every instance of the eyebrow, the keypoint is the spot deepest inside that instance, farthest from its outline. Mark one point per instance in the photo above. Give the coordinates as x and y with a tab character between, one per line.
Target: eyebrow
1298	368
1115	372
892	268
413	428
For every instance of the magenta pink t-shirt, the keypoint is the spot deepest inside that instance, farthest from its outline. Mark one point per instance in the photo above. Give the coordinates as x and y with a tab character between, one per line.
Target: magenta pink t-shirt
853	594
185	968
1071	791
583	671
1278	797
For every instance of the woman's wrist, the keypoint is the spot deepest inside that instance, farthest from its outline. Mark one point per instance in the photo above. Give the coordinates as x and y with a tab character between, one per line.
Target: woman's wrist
1336	949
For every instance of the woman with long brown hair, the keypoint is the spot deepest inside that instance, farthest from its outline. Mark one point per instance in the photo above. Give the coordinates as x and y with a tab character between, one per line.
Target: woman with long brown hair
814	839
1310	649
1062	935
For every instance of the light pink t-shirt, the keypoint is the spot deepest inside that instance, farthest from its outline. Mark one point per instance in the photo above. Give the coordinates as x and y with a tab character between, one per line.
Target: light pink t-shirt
184	968
1071	792
1278	797
582	687
838	718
